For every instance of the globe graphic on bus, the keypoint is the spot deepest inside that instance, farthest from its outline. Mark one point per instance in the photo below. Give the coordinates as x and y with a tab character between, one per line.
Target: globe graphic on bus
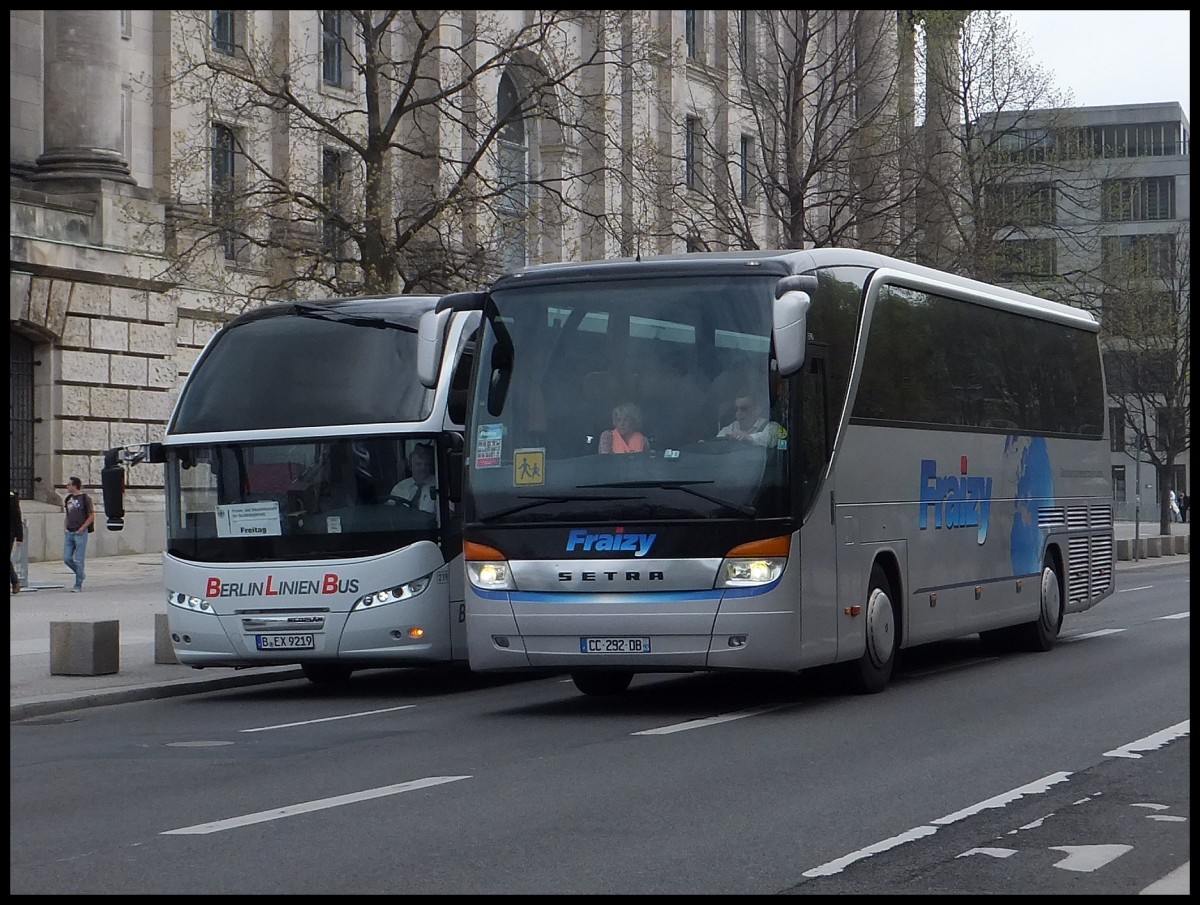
1035	489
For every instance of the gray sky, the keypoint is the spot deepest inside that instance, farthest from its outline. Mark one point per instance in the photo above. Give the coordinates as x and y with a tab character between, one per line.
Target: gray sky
1113	56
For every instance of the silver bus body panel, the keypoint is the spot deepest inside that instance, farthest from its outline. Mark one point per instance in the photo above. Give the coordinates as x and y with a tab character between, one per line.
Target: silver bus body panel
291	598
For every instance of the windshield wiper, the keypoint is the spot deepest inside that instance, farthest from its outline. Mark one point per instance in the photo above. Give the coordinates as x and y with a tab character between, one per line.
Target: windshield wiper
535	501
686	487
320	312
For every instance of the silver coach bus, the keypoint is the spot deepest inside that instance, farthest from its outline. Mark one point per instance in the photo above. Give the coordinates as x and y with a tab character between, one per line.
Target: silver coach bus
841	455
287	540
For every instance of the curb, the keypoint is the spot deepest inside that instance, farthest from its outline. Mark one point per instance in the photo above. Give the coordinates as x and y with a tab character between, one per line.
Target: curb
36	707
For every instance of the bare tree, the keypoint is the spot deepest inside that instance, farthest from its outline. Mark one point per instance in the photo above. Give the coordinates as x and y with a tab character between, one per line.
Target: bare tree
386	157
1016	159
793	138
1148	321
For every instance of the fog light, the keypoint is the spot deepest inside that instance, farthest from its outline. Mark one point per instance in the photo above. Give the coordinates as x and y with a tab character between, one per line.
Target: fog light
500	640
416	632
737	640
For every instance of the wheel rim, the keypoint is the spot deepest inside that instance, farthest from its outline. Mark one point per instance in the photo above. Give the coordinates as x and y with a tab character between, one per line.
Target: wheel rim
1051	599
880	628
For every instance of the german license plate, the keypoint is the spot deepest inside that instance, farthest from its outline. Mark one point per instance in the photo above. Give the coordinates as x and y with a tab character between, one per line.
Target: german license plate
284	642
614	645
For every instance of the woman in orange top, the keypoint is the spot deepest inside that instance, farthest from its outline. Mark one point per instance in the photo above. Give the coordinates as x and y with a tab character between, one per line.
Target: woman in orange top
626	435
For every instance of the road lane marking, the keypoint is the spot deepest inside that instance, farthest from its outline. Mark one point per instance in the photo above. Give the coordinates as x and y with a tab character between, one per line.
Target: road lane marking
1175	616
1037	787
1152	742
329	719
711	720
1096	634
306	807
1086	858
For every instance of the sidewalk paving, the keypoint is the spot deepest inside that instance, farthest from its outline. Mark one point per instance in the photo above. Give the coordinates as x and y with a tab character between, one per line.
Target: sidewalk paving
129	589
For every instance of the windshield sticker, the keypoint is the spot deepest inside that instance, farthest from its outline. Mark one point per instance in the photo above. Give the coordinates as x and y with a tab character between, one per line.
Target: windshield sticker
488	445
529	467
249	520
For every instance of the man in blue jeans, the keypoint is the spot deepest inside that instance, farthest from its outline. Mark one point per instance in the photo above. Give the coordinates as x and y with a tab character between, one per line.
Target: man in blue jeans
80	516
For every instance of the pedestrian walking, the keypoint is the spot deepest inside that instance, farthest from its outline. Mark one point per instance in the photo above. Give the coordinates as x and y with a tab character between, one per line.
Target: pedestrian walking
16	535
80	521
1184	502
1173	503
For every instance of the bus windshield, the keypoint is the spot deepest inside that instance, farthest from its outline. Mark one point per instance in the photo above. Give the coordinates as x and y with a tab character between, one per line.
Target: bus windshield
305	499
629	400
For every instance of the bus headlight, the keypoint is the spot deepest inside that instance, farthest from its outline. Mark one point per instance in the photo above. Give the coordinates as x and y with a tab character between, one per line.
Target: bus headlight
490	576
405	591
189	603
487	568
746	573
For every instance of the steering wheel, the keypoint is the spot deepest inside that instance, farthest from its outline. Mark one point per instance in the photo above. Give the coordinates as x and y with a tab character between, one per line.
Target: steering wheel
399	500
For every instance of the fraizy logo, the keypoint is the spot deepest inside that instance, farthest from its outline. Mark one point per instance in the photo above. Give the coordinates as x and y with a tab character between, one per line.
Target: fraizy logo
957	501
618	540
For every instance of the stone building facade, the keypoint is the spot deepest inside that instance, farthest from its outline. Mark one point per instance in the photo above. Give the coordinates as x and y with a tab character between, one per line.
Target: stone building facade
104	330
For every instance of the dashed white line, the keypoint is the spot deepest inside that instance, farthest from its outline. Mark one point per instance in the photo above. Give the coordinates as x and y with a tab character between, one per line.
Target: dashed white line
306	807
711	720
329	719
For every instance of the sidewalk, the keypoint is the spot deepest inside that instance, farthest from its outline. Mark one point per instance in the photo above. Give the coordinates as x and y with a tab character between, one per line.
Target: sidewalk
129	589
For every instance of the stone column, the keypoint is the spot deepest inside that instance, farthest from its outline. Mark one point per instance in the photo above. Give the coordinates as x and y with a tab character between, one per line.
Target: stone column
82	97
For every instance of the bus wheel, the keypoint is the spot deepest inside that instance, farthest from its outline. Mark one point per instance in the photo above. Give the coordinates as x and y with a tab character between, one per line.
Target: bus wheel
872	671
607	681
1041	634
325	673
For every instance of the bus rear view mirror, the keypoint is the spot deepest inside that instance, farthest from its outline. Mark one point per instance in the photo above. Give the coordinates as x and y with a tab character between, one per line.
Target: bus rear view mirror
112	487
431	335
790	330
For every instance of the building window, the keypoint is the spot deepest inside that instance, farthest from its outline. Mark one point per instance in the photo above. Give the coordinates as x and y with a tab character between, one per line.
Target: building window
1118	483
745	42
512	171
127	123
332	48
224	31
691	153
1134	256
1171	431
1022	203
1024	258
746	174
1124	200
126	24
224	187
1164	139
1116	429
333	189
691	33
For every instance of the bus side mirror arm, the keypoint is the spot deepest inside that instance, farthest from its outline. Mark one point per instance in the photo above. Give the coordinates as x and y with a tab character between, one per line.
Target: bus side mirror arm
454	466
790	330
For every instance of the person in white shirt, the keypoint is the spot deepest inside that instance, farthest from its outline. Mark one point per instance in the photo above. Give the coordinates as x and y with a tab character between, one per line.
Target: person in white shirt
419	490
749	424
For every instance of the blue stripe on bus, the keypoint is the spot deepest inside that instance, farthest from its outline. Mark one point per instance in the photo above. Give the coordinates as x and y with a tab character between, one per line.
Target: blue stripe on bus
715	595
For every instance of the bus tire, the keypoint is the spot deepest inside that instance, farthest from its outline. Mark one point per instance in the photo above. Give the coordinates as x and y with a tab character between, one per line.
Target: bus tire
326	673
1040	634
871	672
602	681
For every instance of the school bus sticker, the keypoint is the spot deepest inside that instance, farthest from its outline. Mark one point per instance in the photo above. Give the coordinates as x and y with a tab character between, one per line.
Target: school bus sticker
529	467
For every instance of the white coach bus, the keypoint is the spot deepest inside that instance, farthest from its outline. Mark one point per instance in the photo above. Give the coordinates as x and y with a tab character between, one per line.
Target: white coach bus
311	484
840	455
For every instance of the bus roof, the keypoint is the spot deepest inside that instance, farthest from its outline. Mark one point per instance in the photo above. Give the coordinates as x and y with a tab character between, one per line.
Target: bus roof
782	262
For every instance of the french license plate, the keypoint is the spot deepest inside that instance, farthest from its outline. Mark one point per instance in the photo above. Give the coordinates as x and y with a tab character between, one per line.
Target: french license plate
285	642
614	645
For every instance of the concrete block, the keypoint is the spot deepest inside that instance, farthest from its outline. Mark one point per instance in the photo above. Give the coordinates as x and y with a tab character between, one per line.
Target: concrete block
1181	544
85	648
1154	546
164	651
1124	550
